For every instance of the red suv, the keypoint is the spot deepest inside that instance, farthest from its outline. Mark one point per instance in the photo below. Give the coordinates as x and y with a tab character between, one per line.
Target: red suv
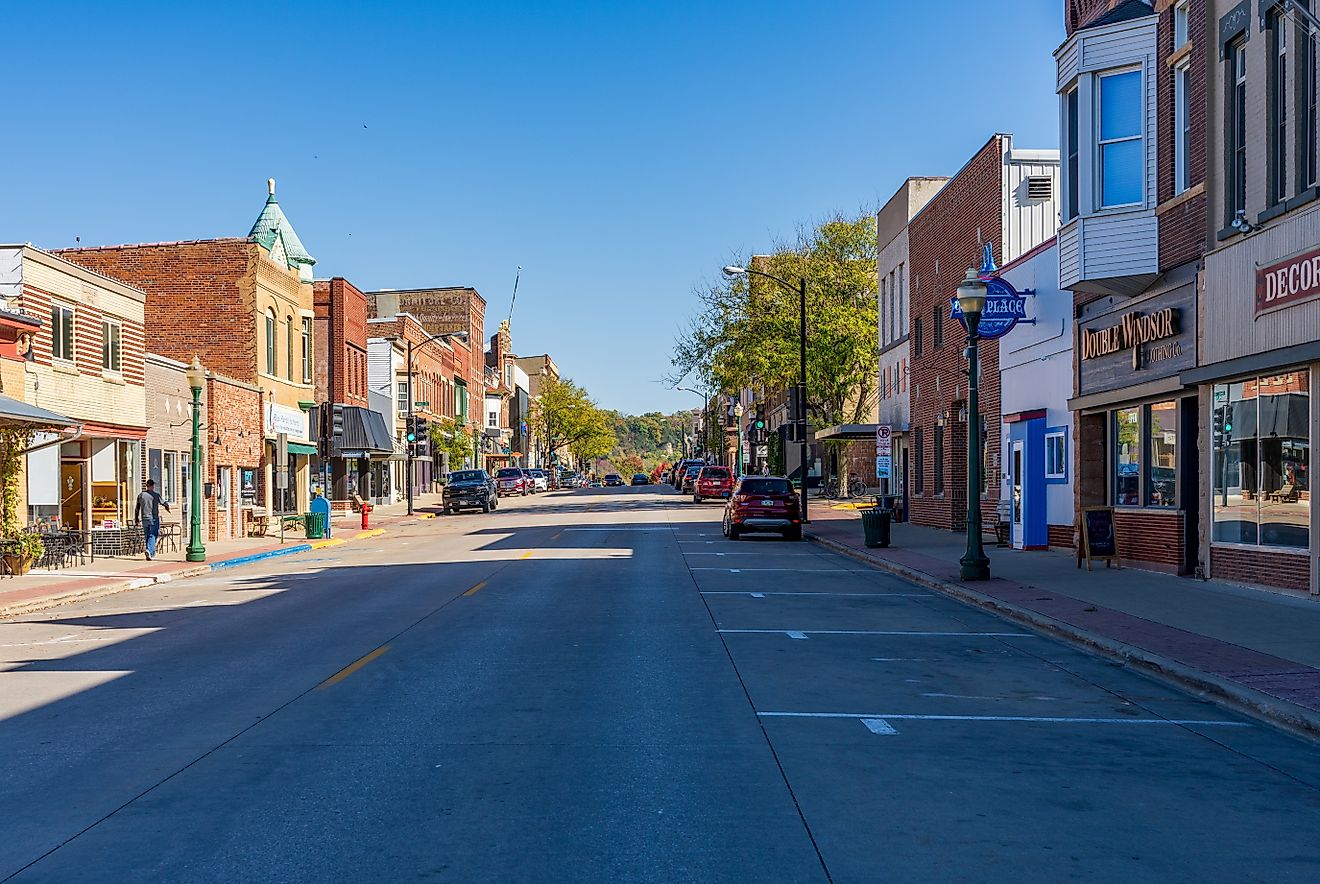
712	482
763	503
513	480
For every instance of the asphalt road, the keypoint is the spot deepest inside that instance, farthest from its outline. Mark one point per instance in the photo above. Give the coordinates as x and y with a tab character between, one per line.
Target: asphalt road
595	686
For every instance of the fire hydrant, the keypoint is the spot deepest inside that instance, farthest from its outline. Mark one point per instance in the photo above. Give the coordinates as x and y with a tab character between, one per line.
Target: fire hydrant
366	511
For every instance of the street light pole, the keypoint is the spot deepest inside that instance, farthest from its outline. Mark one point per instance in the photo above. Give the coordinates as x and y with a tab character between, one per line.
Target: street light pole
462	335
738	458
974	565
196	551
733	270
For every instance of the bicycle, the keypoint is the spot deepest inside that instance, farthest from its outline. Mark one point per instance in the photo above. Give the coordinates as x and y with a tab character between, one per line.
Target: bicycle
832	489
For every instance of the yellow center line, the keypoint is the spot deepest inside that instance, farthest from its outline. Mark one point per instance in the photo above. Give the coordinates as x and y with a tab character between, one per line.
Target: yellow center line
476	589
528	554
351	668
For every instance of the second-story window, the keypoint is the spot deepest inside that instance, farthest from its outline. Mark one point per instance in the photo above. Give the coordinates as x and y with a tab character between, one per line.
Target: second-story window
1182	126
1122	159
61	332
111	336
917	336
307	349
1181	27
402	394
1306	147
1071	149
1236	94
288	347
1278	107
937	327
270	342
884	310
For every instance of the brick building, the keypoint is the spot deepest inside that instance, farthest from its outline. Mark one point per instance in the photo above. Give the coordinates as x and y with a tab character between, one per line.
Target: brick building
356	441
1005	197
1132	86
243	305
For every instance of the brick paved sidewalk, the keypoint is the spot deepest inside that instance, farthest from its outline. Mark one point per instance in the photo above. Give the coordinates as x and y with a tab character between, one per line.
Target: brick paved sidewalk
1257	650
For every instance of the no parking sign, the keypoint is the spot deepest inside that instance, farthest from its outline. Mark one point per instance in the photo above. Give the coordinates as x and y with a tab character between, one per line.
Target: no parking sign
884	451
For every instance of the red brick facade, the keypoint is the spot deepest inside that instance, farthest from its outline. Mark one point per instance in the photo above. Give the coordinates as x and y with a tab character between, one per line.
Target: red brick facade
1149	539
1182	224
1261	567
181	309
233	440
944	239
87	336
340	343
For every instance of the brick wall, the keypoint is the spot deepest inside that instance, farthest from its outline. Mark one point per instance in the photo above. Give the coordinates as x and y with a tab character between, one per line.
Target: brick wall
196	303
1081	13
943	240
341	345
1261	567
1151	540
1062	536
234	440
1182	226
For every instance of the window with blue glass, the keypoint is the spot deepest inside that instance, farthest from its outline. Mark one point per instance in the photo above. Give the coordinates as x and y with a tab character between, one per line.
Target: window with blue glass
1122	156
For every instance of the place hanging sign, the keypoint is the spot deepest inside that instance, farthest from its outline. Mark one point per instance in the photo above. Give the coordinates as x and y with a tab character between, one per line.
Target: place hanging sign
1291	281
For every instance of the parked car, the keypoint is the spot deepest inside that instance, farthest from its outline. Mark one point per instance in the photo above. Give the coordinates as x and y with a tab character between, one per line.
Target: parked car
470	489
712	482
689	478
641	479
763	503
597	483
540	481
680	469
513	480
613	479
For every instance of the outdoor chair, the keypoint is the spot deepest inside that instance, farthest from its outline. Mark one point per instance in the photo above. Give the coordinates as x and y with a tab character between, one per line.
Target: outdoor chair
1286	494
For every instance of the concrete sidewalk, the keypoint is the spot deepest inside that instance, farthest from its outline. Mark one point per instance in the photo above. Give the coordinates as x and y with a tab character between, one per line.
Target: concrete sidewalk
42	589
1256	650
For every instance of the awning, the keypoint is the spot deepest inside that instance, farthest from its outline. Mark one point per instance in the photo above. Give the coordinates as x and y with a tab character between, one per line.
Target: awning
301	448
844	432
364	434
14	413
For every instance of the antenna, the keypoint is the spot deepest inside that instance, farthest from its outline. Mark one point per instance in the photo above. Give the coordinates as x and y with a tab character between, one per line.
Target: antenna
514	299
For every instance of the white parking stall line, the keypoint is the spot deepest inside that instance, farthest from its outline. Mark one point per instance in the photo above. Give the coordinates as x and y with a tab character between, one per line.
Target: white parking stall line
801	636
871	632
1042	719
858	595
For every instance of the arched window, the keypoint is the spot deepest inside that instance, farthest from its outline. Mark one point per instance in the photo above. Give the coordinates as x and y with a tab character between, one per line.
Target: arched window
270	342
288	351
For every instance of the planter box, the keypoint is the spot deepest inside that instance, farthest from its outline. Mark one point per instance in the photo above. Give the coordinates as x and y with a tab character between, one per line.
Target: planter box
17	564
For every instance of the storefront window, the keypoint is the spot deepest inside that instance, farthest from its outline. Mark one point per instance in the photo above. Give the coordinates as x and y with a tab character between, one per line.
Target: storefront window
1162	455
1261	441
1127	454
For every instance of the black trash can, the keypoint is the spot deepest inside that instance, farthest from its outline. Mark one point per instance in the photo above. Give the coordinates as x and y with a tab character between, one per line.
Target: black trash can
875	527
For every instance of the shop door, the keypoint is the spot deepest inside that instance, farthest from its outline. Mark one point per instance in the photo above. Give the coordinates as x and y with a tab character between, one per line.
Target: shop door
72	500
1015	492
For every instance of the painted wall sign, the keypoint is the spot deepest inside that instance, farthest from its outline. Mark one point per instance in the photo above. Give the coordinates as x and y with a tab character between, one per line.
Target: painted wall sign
1005	307
1135	343
1287	282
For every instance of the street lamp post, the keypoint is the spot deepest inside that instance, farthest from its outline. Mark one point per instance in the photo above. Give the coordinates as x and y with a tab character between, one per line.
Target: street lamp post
462	336
738	458
732	270
196	551
975	565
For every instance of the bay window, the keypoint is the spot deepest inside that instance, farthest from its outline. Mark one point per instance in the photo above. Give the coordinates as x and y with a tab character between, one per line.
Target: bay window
1121	154
1261	478
1070	172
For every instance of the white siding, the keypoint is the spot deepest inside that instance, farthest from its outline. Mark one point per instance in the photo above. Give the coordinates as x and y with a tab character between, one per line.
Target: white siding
1120	245
380	367
1070	240
1028	223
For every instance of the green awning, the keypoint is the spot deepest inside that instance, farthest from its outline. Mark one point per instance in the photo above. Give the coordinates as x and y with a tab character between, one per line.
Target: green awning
300	448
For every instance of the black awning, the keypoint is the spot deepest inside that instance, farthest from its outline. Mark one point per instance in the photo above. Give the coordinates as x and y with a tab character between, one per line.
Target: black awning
364	434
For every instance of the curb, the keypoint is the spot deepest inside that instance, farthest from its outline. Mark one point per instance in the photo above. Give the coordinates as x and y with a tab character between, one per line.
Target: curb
1296	719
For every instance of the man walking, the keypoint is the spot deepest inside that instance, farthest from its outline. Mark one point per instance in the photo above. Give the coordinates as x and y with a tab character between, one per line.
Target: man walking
147	512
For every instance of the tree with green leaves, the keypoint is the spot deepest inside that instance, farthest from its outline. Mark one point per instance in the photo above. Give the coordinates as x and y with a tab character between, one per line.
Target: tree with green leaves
745	334
456	440
565	419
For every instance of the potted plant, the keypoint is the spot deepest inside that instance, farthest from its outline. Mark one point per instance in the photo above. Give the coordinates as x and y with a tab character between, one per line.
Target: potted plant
22	551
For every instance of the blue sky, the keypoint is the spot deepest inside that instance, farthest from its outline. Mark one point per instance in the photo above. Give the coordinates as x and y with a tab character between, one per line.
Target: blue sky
618	151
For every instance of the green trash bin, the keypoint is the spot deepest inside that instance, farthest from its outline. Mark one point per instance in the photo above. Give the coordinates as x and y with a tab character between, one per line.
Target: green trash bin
315	523
875	527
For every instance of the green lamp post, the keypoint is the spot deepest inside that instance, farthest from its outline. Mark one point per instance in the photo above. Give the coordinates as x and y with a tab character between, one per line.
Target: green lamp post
738	415
974	565
196	378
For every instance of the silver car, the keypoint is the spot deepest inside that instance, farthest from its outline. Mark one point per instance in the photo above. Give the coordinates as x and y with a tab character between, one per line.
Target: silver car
540	481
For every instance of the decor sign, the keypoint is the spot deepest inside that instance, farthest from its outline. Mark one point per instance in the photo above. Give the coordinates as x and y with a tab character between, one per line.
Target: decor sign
1288	282
1005	307
1134	331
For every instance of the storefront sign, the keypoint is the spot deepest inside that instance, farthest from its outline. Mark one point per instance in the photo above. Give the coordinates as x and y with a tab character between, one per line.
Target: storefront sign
1287	282
1133	332
282	419
1147	341
1005	307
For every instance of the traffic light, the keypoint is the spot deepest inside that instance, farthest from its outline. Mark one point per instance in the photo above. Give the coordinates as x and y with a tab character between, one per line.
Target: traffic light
796	403
410	428
422	435
1228	420
336	420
